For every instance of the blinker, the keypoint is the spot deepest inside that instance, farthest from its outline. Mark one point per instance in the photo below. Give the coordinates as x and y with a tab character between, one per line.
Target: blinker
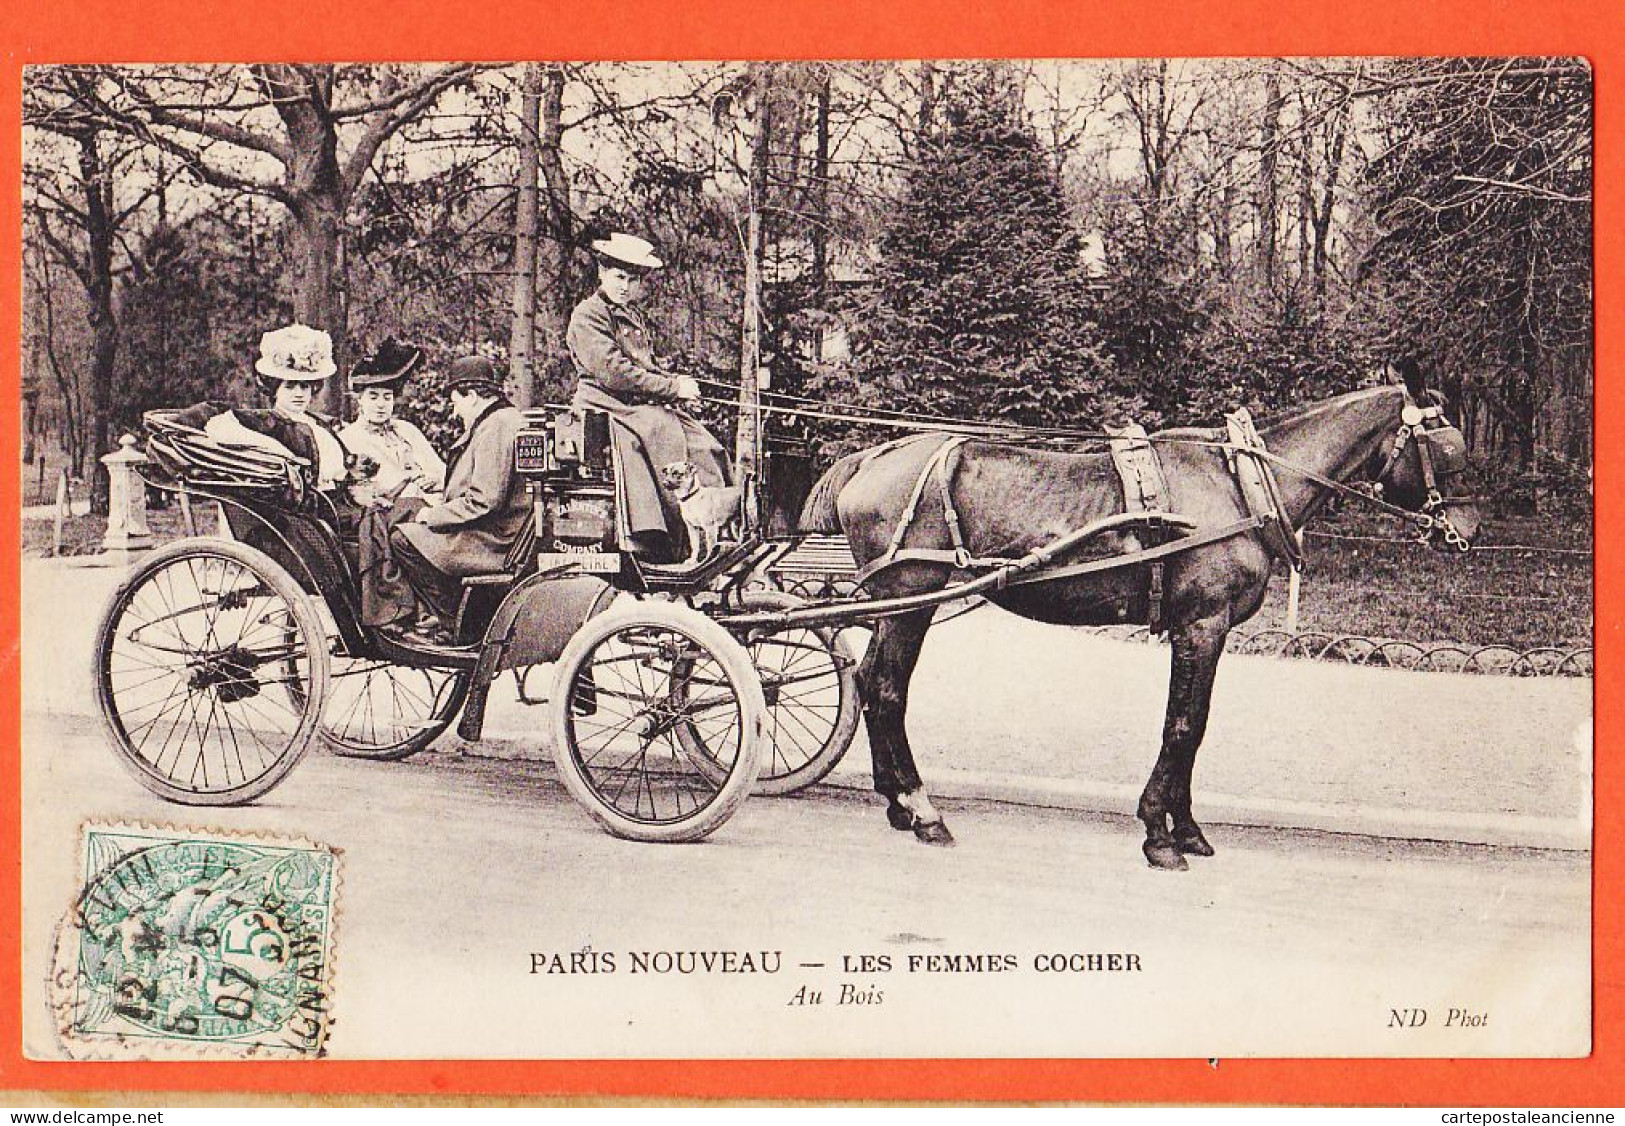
1412	415
1449	448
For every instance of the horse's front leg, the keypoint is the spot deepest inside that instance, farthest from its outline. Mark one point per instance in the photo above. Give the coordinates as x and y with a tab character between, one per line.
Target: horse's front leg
883	680
1165	806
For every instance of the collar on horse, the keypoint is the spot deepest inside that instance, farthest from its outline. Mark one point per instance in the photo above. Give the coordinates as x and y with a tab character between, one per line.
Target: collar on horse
1261	492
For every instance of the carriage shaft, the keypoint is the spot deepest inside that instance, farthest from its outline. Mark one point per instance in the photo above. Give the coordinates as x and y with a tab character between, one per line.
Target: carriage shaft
851	611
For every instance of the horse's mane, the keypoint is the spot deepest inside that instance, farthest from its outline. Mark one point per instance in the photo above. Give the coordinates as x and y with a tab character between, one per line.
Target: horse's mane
1305	411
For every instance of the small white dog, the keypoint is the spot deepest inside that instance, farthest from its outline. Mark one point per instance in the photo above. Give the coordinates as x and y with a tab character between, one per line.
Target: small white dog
706	508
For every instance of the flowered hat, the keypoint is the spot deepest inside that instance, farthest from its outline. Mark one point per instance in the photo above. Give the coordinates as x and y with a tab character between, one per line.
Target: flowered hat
388	366
298	353
627	250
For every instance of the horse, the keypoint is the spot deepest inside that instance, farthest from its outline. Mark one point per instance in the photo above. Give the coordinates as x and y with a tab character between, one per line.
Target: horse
1009	499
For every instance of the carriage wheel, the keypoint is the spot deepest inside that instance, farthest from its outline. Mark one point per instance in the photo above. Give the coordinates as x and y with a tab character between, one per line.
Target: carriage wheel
810	682
386	712
625	684
184	658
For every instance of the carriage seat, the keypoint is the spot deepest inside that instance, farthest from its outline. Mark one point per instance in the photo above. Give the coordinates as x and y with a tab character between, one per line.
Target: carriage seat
571	454
182	454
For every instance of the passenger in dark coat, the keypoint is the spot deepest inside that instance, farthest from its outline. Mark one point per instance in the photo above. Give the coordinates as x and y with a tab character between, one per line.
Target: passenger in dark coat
485	505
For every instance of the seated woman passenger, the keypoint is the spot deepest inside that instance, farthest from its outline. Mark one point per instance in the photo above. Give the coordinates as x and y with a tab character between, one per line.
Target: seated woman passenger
617	373
408	466
410	475
293	362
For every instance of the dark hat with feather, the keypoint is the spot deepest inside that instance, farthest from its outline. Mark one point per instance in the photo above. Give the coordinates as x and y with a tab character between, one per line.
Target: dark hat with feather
390	365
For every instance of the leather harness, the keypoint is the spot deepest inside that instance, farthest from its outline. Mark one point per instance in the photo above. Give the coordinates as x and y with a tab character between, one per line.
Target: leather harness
1145	492
1255	476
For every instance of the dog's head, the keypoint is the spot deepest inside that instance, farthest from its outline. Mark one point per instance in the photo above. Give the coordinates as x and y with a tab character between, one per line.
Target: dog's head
680	479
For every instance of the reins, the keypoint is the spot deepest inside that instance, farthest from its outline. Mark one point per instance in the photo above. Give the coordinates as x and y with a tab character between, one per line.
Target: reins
1016	435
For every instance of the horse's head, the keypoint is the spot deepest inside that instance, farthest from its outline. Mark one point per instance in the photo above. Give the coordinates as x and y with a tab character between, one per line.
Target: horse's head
1425	470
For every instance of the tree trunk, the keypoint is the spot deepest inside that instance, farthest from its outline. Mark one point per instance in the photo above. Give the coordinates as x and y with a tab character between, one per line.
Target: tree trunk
315	241
748	437
1268	145
1328	199
522	337
99	309
317	199
821	221
928	101
1306	208
1222	218
554	296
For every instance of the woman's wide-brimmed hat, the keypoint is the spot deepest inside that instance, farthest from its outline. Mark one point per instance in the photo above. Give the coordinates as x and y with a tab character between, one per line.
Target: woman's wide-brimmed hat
298	354
627	250
474	373
389	366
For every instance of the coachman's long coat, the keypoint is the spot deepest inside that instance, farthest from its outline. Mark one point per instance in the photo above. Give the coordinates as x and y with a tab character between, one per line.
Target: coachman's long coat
617	373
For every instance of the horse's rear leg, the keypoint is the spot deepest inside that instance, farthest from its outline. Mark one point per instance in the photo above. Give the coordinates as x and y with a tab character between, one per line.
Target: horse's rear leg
1171	832
883	680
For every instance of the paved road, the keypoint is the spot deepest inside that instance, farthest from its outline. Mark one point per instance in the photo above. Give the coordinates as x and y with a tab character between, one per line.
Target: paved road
1002	707
457	871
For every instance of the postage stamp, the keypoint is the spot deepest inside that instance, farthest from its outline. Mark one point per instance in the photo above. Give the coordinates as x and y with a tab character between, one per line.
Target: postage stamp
184	942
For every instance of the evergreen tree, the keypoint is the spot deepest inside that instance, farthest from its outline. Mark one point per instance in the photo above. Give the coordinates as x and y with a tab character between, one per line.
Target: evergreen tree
982	306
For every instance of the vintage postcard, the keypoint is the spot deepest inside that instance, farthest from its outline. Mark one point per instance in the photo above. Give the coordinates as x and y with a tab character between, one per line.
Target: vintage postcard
997	559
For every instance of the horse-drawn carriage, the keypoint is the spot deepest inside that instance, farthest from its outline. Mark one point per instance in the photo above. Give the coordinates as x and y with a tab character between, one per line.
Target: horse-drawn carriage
677	690
221	659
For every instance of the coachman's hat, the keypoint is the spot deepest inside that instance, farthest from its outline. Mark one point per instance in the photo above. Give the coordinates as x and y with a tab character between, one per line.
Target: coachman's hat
389	366
474	373
627	250
298	354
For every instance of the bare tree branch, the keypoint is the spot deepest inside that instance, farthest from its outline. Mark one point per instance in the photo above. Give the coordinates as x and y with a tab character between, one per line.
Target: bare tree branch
419	97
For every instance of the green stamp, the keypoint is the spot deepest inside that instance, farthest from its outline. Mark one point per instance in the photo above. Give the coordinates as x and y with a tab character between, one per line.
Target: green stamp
199	940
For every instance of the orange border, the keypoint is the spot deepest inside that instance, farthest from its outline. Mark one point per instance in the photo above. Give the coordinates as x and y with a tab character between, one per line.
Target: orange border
80	30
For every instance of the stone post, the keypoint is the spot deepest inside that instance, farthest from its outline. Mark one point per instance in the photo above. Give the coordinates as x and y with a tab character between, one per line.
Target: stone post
127	529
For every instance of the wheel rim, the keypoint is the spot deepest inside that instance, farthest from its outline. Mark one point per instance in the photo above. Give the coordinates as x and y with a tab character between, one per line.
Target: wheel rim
801	684
639	686
376	707
187	669
801	681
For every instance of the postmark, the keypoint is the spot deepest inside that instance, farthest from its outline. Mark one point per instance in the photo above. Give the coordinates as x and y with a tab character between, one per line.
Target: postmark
196	943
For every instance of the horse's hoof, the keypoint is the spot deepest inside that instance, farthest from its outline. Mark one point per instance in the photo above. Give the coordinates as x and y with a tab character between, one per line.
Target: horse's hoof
1164	857
934	833
1193	843
899	818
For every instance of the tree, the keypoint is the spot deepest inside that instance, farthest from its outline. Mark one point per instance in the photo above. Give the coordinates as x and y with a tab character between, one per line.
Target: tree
524	239
1481	269
73	177
982	305
304	136
187	328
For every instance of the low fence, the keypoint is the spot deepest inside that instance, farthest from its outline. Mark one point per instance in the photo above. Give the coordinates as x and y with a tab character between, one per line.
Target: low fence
1379	652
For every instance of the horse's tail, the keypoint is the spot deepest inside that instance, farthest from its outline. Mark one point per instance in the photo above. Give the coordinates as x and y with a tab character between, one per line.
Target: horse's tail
819	514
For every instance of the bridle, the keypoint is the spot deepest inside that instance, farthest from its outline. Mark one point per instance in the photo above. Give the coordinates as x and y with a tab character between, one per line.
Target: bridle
1441	451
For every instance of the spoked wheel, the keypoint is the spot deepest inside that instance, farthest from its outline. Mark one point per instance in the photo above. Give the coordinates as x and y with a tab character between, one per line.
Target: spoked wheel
810	684
377	710
627	682
211	671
